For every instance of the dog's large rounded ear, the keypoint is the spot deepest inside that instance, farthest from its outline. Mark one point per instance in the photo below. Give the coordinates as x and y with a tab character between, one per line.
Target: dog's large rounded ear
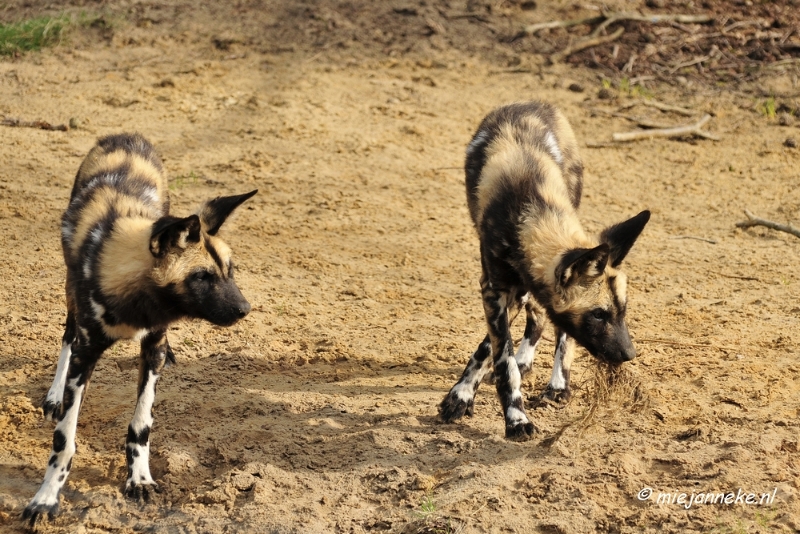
622	236
582	265
173	233
214	212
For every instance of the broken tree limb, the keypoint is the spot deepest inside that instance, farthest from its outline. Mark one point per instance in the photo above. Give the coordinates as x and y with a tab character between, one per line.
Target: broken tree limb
752	220
584	44
689	129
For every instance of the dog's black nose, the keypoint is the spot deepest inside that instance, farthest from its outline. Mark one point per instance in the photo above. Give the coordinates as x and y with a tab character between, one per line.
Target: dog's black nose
244	309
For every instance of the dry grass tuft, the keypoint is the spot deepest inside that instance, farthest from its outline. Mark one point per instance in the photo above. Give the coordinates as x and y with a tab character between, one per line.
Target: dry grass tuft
612	388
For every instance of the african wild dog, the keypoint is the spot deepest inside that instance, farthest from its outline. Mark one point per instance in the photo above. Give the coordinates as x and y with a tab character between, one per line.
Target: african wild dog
524	180
132	269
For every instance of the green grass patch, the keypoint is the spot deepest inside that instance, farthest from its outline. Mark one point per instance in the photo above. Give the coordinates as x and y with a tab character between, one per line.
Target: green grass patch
33	34
184	180
767	108
626	88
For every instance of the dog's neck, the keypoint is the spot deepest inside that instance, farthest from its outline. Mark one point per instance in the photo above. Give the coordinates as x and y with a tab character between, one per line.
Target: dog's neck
126	260
545	236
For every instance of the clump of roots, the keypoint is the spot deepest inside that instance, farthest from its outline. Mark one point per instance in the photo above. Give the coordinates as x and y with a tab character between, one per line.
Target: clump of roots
612	388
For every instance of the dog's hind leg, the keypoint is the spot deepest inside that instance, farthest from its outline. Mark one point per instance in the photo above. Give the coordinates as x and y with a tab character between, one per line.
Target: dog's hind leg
460	401
82	361
533	331
55	396
155	352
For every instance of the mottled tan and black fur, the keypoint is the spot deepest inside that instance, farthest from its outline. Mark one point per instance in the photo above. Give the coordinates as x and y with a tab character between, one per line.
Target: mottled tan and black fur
524	182
132	270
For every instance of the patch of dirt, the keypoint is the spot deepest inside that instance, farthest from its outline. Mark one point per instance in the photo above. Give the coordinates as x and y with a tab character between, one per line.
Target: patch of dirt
318	412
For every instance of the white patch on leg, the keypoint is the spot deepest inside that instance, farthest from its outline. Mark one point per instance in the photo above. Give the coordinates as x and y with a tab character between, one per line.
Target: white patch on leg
56	393
514	376
140	468
466	387
525	353
142	418
557	381
464	391
515	416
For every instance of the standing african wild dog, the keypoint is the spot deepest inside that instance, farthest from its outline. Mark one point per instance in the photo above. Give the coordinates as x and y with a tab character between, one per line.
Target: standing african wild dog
524	180
132	269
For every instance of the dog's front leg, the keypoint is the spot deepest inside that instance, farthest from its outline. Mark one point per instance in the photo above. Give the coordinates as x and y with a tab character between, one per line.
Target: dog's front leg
155	352
558	389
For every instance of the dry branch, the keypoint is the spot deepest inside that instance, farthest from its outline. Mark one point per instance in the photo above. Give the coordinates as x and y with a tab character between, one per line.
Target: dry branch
42	125
533	28
712	241
752	220
608	18
584	44
689	129
695	61
737	277
667	107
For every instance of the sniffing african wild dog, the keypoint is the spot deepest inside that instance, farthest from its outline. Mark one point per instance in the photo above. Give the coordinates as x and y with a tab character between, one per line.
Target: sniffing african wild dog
524	181
132	269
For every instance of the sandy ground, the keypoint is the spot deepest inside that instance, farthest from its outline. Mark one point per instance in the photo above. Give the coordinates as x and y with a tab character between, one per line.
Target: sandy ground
318	413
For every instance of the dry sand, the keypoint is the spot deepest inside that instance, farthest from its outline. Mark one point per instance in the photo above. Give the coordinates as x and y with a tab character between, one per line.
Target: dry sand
318	413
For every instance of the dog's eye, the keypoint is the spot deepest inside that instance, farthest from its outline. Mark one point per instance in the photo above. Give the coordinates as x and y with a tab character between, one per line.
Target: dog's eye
599	314
202	276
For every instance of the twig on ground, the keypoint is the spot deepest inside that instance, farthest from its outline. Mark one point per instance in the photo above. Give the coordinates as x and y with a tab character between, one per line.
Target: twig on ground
748	278
757	221
655	19
712	241
690	63
42	125
533	28
584	44
667	107
689	129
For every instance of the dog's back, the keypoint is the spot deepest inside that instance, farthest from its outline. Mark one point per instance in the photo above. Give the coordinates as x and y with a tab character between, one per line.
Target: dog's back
122	176
524	153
